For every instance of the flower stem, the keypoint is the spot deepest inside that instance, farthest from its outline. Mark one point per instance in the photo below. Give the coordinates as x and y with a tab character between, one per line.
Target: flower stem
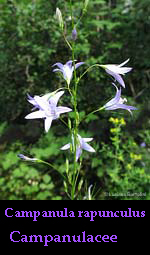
98	110
76	122
49	164
97	65
69	45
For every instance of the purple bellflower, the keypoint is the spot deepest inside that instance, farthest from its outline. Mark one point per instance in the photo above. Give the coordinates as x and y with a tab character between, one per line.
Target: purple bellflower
116	70
81	145
67	69
48	109
117	102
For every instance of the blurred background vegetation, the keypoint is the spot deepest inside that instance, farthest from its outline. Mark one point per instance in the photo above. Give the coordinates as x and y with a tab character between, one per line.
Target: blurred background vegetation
30	43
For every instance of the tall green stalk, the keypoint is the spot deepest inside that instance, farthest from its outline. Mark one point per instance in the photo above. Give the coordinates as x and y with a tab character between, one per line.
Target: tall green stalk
76	121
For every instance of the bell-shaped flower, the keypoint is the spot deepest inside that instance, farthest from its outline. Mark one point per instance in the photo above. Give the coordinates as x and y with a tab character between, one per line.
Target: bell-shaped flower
67	69
116	70
118	102
81	145
48	109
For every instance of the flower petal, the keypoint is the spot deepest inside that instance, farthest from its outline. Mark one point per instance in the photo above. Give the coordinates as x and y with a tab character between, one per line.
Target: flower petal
47	96
126	107
36	115
87	147
31	100
69	63
47	123
78	153
54	99
65	147
56	70
116	77
87	139
124	70
120	80
78	64
63	109
67	73
122	64
122	106
114	100
43	104
60	65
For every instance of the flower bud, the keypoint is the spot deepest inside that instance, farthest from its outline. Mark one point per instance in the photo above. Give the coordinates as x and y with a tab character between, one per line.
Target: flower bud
67	165
69	123
74	34
59	17
27	158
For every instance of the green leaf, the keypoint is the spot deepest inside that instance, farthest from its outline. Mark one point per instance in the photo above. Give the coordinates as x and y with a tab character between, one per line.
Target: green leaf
46	178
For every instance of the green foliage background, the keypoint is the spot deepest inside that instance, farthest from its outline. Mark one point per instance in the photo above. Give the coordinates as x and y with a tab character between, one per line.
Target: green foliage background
30	43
